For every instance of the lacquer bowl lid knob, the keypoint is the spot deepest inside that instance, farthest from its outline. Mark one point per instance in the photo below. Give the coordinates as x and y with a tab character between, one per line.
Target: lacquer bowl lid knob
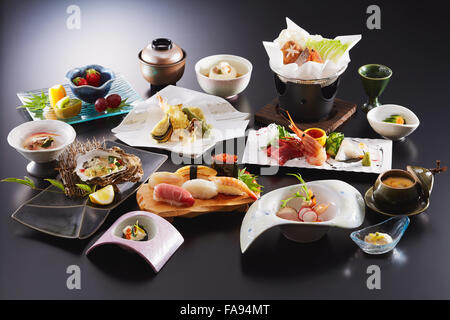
162	51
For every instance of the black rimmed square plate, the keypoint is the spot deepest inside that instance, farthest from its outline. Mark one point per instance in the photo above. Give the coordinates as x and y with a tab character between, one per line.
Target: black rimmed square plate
53	213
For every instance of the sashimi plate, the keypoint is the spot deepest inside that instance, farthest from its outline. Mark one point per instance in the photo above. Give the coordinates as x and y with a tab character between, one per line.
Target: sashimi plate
119	86
346	210
380	151
226	121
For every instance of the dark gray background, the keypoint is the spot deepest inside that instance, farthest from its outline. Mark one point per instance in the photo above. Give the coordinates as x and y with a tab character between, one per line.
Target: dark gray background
36	52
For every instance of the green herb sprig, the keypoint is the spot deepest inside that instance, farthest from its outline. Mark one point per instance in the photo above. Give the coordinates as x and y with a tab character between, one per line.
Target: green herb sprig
303	193
250	180
36	103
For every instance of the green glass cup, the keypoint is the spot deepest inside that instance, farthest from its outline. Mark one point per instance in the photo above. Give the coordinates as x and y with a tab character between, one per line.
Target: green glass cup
375	78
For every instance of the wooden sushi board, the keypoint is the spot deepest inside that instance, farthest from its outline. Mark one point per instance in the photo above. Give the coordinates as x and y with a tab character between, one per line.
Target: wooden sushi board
341	112
220	203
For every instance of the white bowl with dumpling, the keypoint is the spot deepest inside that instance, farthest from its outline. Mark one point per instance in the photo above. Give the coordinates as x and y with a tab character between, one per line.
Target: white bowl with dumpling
223	75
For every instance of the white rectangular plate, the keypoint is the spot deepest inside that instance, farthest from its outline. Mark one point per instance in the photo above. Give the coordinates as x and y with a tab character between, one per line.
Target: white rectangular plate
380	151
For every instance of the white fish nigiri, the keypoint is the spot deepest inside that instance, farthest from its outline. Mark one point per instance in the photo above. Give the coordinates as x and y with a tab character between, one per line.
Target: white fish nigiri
201	189
165	177
350	150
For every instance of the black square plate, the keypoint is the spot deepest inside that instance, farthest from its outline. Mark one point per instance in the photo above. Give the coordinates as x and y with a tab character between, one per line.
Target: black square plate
60	216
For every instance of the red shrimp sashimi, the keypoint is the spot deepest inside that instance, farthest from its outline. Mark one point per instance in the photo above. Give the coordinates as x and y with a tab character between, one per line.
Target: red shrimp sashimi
173	195
314	152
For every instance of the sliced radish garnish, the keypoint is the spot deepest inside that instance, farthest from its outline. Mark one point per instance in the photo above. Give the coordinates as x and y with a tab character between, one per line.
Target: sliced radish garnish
309	216
302	211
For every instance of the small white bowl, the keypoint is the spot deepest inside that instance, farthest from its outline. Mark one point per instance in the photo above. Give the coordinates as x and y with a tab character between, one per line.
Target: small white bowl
223	88
66	135
392	131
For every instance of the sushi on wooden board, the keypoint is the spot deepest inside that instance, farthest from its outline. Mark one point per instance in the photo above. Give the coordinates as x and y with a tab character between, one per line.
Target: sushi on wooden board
195	190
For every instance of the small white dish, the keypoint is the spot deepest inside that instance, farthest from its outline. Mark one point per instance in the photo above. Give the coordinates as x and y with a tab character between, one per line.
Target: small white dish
392	131
347	210
65	136
162	238
223	88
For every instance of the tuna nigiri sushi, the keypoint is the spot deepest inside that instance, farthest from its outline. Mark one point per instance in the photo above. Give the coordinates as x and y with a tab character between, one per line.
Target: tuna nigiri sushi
232	186
173	195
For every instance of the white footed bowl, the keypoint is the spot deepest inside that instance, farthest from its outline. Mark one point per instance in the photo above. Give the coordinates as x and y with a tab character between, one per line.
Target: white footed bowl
347	210
223	88
392	131
66	135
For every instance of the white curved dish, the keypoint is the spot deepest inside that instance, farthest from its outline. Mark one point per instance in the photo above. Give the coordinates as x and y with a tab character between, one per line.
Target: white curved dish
163	239
347	210
392	131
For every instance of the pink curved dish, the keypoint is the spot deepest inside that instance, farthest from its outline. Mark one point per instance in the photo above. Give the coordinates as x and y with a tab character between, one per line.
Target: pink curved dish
163	238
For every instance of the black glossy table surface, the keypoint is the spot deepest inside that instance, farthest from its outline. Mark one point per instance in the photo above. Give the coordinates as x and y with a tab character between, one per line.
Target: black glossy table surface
36	51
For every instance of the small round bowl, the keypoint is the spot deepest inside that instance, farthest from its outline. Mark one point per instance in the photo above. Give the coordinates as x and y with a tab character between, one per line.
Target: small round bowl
318	134
66	135
223	88
392	131
162	74
89	93
395	227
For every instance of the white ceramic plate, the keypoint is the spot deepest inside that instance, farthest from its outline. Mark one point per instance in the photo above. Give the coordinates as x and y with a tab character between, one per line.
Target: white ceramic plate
380	152
347	210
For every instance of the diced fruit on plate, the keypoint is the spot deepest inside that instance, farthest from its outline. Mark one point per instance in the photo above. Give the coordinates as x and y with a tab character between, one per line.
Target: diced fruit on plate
56	93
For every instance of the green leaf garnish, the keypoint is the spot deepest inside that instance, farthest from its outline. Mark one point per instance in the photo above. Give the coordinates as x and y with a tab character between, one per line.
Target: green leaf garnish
36	102
56	183
48	142
25	181
250	180
86	188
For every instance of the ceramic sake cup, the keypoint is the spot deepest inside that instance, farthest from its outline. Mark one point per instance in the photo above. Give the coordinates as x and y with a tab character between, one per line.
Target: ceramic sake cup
374	78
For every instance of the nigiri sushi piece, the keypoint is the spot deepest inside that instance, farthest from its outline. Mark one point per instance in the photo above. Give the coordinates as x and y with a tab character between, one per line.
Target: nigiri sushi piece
173	195
165	177
201	189
232	186
350	150
196	172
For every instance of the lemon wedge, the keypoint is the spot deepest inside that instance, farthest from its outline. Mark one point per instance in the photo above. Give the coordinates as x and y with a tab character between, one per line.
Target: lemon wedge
103	196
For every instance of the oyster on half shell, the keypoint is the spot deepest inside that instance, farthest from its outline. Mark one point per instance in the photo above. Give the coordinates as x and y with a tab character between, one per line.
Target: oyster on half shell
108	166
